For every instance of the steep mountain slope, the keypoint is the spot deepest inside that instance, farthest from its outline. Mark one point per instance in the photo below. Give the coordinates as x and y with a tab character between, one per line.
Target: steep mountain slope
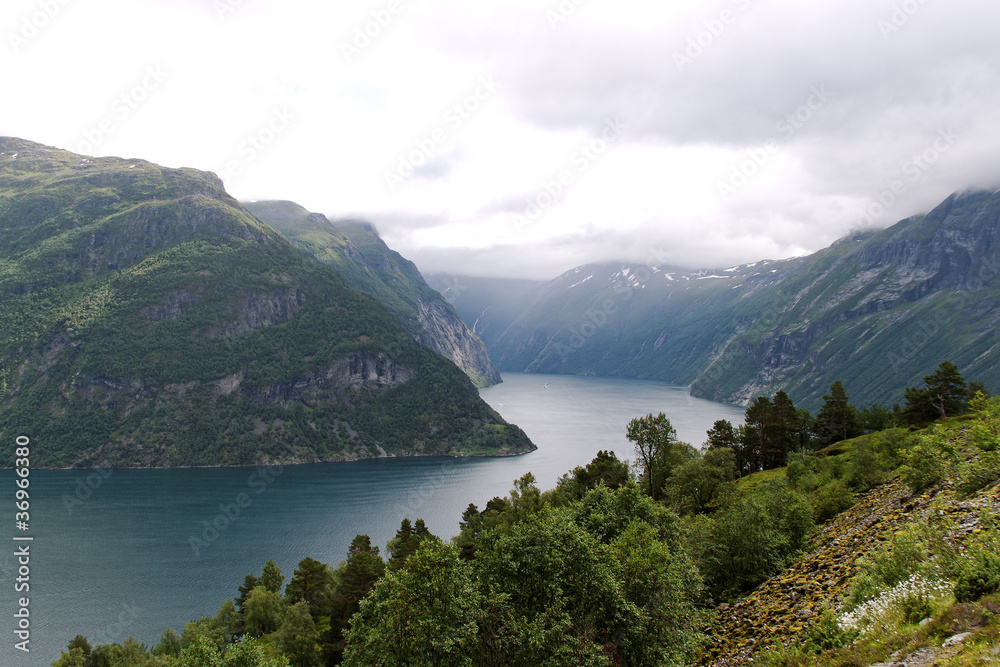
147	318
368	265
487	305
875	310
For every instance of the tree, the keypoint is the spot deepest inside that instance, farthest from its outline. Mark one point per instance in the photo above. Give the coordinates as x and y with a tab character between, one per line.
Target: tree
297	636
355	577
271	578
837	419
945	393
722	435
423	614
311	582
169	644
754	432
658	449
948	390
263	612
782	431
693	487
406	541
249	583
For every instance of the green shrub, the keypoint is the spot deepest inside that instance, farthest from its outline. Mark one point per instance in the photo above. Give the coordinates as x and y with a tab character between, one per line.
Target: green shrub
979	473
831	500
978	569
927	463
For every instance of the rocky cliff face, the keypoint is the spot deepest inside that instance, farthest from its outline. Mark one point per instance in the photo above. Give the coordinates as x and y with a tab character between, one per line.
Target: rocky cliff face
447	334
356	251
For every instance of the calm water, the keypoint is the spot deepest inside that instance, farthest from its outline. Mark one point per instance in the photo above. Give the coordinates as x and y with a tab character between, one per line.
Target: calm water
121	562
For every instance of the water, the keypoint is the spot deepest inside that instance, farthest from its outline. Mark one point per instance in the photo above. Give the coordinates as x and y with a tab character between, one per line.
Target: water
129	552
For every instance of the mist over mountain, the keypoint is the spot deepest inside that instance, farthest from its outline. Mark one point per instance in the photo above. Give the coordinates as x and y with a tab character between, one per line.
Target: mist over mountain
877	310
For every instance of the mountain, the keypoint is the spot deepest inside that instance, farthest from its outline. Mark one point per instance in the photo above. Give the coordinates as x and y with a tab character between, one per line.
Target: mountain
359	255
485	304
877	310
148	319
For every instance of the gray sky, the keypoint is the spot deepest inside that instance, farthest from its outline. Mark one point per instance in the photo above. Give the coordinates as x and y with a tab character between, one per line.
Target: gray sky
518	138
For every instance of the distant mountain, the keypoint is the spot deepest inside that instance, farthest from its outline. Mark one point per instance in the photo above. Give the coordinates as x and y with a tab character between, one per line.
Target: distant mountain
148	319
877	310
486	304
356	251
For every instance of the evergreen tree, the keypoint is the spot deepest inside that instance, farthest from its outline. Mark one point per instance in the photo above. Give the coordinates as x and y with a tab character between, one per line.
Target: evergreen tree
355	579
837	419
722	435
754	434
311	582
271	578
249	583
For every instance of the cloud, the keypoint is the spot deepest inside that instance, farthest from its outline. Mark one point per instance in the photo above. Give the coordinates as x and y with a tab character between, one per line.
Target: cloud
753	128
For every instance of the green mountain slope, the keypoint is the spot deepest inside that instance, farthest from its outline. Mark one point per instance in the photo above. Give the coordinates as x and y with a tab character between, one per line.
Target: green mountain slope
147	318
874	310
359	255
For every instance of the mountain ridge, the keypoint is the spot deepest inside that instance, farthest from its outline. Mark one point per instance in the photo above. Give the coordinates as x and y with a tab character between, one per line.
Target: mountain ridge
864	311
149	319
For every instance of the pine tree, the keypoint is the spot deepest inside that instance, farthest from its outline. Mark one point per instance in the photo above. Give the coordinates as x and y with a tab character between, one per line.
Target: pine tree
837	419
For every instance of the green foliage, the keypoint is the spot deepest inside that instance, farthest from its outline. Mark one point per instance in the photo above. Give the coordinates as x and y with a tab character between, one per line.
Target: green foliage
297	636
927	462
271	578
697	485
977	570
753	535
830	500
605	469
423	614
311	582
169	644
837	419
658	449
264	609
408	539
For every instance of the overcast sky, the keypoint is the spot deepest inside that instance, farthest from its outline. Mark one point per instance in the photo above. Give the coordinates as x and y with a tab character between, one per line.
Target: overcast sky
519	138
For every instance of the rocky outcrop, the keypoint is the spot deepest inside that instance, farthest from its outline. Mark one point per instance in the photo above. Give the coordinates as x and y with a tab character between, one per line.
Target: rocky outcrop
782	609
447	334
